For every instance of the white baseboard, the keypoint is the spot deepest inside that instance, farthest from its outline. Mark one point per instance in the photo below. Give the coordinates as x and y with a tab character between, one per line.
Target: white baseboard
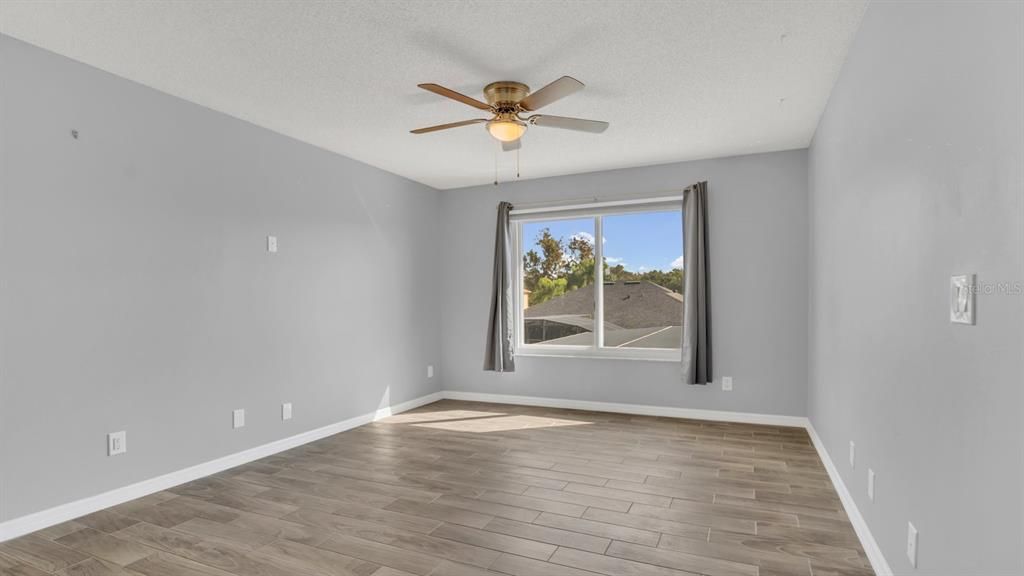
860	526
64	512
639	409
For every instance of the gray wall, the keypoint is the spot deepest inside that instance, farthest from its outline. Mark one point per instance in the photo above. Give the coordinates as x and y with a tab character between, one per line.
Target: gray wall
758	213
916	175
137	292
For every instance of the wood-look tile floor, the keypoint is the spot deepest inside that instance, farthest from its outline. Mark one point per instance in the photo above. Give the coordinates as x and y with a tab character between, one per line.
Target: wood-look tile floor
459	489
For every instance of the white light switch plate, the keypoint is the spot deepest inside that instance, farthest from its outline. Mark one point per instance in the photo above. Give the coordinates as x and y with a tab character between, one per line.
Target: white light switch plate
912	544
286	411
727	383
117	443
272	244
853	454
961	299
871	484
238	418
430	371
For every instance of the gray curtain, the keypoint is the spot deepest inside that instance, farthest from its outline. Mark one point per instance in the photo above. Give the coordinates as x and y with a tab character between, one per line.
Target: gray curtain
499	329
697	292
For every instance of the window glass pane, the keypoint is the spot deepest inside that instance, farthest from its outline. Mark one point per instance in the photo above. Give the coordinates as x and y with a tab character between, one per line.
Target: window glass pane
558	282
643	280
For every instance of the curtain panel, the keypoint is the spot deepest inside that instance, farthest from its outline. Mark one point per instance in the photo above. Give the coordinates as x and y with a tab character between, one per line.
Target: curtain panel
499	355
696	347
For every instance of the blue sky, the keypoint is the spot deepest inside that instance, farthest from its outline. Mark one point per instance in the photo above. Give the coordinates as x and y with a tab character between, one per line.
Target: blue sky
640	242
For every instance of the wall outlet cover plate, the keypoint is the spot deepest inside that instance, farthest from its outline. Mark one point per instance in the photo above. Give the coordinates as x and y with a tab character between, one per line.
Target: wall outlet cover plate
117	443
912	544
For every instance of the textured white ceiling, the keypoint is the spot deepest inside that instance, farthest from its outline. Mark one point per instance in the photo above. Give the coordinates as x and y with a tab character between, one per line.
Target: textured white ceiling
677	80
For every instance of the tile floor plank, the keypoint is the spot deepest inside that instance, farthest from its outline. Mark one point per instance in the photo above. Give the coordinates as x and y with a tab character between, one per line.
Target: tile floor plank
681	560
105	547
551	535
41	553
94	567
14	567
599	529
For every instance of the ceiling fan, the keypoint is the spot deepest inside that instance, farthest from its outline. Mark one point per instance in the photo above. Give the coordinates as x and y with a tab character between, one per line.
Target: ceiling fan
507	101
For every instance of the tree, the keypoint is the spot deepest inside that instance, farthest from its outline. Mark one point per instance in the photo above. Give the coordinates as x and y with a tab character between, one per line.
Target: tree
671	279
581	248
616	273
580	274
553	265
561	266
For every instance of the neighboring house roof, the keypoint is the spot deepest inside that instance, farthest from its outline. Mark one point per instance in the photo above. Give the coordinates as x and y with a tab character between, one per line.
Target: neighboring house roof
656	337
578	320
627	304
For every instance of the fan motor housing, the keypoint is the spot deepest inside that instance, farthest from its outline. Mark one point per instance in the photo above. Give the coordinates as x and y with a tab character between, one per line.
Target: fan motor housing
505	94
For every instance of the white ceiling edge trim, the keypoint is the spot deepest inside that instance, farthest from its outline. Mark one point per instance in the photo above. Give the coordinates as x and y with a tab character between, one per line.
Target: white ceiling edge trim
645	195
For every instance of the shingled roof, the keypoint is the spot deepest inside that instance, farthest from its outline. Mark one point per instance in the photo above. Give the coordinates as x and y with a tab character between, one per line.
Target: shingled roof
627	304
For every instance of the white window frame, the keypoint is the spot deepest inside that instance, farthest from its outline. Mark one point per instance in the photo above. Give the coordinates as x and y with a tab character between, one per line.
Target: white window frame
596	211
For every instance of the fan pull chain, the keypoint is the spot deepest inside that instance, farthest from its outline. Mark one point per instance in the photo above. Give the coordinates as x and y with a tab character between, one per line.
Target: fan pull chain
496	166
517	163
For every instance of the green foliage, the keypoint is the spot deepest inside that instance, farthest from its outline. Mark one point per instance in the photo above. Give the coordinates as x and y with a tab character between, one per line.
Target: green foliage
671	279
563	266
546	289
581	274
581	249
553	264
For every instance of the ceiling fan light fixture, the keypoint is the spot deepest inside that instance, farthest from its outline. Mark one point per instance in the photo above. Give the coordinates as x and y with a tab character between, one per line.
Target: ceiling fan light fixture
506	100
506	130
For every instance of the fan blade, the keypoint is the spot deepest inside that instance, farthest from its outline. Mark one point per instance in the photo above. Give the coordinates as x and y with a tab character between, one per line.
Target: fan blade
557	90
447	126
594	126
449	93
513	145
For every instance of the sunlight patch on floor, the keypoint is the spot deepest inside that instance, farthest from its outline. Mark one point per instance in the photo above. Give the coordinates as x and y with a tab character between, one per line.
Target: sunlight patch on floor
501	423
440	415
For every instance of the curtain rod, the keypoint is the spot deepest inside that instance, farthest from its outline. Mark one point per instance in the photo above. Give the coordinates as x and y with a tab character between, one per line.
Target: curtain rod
585	203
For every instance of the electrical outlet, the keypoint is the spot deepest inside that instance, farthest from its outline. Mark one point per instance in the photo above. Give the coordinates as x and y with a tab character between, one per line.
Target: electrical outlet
238	418
117	443
286	411
727	383
912	544
871	484
853	454
272	244
430	371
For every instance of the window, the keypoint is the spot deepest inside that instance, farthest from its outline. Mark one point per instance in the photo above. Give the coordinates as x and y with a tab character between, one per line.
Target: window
630	307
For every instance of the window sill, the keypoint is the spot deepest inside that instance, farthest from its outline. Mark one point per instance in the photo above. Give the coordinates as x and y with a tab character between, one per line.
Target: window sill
647	355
